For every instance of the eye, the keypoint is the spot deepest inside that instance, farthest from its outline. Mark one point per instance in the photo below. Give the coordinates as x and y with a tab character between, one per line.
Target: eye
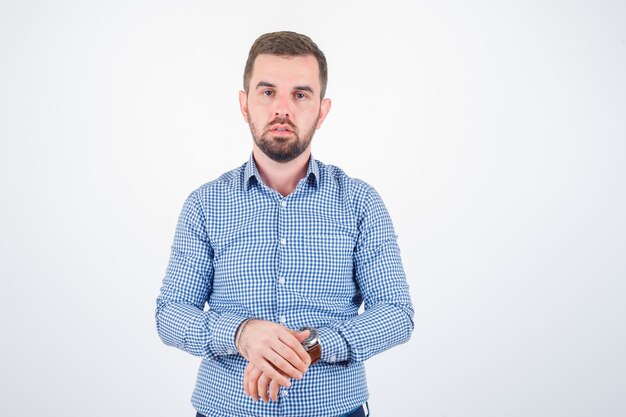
268	93
300	96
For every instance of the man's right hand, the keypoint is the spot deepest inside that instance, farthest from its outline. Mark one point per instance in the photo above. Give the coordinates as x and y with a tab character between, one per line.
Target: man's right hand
274	350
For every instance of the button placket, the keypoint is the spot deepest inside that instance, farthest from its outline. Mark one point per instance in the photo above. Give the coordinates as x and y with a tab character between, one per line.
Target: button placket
283	234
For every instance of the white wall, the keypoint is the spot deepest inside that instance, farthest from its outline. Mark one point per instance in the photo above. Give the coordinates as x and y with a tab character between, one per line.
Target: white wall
493	130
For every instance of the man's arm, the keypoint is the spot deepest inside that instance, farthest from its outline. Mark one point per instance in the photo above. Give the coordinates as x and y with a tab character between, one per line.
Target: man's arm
388	316
182	322
180	316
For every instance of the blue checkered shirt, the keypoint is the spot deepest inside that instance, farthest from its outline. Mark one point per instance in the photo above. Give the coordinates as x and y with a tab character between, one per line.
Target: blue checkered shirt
308	259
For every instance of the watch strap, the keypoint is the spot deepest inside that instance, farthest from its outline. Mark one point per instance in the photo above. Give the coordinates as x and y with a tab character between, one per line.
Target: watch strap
315	353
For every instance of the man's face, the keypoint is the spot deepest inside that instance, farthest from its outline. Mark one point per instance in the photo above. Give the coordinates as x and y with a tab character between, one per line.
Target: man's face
283	106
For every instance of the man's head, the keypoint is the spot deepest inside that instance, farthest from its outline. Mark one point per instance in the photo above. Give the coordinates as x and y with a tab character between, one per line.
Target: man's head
283	102
285	44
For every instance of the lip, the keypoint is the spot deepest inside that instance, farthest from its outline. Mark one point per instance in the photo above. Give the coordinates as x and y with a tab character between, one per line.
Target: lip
281	129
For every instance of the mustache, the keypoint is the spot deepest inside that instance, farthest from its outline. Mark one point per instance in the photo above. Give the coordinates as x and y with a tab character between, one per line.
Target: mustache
281	120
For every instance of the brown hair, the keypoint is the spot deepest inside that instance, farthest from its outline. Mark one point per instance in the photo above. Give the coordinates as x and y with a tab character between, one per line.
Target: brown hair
285	44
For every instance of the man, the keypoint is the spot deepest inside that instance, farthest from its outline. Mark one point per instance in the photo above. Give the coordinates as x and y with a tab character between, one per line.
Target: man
282	243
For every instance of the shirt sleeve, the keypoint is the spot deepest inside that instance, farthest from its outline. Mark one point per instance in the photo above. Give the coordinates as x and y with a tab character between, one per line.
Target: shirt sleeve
180	317
387	319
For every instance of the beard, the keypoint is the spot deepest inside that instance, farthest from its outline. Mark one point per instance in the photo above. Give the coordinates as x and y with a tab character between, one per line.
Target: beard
278	148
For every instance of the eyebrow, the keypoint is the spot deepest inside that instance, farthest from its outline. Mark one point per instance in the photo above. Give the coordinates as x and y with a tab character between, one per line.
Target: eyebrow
297	88
265	84
304	88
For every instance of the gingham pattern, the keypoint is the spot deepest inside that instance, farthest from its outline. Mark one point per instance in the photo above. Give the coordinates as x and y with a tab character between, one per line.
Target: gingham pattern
308	259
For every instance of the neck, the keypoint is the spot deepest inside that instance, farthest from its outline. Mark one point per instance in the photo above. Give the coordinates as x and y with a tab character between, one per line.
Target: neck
282	177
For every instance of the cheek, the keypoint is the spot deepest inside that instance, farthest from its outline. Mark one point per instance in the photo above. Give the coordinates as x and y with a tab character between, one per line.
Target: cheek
253	116
257	110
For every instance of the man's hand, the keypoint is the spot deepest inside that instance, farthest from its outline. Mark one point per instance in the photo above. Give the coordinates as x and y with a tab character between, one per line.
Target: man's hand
256	383
275	350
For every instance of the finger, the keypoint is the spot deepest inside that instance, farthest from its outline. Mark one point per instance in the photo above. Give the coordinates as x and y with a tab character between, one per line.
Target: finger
301	335
268	369
283	365
245	382
271	356
295	353
262	387
247	375
253	390
292	349
294	342
252	383
274	387
304	355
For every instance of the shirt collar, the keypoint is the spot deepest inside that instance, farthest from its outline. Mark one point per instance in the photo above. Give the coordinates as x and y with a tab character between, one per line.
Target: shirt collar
251	174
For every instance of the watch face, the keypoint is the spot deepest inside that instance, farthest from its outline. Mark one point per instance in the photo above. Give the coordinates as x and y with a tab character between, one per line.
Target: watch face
312	339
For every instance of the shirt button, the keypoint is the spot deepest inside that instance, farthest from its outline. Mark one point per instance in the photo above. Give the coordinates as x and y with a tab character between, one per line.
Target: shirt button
283	319
283	203
283	241
333	358
281	280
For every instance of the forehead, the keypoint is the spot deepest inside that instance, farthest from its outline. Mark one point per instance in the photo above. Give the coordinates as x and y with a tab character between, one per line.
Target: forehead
286	71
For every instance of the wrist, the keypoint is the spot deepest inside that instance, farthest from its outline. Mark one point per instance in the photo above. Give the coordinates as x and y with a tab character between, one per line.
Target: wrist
239	332
336	348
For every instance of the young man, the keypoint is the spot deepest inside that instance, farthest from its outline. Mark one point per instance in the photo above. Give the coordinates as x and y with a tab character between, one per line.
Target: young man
284	250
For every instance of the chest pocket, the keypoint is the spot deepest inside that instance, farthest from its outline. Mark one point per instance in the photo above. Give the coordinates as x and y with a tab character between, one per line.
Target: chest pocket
320	267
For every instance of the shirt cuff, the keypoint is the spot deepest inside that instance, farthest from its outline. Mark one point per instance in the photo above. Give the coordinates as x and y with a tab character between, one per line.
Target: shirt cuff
334	346
223	334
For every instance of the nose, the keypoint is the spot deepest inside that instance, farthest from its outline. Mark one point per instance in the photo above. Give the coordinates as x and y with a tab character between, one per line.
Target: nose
282	108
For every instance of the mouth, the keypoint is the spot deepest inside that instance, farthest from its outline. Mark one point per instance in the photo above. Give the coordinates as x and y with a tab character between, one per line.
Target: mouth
281	130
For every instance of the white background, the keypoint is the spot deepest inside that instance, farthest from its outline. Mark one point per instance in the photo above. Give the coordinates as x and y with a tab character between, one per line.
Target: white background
495	132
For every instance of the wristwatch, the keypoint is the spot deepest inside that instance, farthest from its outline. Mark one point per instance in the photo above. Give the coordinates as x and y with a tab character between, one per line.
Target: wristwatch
312	344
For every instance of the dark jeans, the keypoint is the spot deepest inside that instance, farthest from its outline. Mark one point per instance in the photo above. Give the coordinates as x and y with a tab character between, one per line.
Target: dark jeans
359	412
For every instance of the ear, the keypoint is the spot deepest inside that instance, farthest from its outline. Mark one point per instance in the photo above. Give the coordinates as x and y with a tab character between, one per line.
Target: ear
324	109
243	105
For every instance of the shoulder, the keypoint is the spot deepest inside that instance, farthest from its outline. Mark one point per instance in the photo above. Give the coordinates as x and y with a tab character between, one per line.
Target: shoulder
226	184
368	208
356	189
215	194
